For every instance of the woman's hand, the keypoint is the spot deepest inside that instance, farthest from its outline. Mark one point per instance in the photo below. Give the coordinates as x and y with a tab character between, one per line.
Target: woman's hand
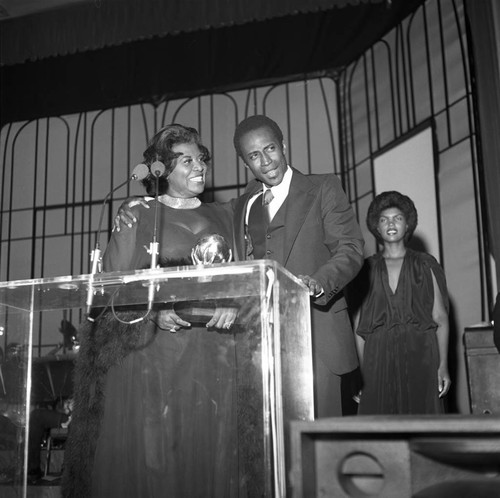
169	320
223	318
444	381
125	217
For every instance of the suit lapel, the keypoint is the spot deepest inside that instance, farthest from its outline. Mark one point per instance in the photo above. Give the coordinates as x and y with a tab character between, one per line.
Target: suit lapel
298	204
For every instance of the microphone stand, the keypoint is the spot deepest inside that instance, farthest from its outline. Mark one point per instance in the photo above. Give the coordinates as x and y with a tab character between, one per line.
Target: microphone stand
157	168
139	172
154	245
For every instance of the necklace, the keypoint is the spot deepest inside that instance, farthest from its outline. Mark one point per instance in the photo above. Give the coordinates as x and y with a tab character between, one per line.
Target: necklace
179	202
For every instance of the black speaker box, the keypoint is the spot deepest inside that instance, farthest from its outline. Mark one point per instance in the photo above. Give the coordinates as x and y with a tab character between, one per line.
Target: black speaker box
396	457
483	370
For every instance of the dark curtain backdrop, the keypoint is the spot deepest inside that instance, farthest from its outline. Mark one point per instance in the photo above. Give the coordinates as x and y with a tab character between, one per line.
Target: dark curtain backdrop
197	62
95	24
484	18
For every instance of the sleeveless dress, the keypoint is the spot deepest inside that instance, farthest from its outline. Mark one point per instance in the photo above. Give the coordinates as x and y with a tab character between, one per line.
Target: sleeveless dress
401	355
160	421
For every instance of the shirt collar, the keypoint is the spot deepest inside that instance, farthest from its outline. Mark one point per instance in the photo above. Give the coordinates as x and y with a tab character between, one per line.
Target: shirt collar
281	190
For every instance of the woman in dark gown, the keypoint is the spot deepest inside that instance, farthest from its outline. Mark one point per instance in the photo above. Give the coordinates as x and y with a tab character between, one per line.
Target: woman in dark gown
154	412
402	332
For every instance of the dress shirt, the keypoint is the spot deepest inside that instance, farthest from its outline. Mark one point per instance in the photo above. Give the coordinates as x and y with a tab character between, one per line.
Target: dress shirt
280	193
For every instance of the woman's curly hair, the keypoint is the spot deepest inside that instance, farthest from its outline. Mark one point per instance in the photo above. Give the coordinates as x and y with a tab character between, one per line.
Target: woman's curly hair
160	149
391	199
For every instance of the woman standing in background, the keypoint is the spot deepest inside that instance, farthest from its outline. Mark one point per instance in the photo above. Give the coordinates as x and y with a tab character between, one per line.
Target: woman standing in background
402	331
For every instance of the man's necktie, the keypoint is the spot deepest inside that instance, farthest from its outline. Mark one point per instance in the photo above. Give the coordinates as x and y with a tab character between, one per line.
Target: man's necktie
266	200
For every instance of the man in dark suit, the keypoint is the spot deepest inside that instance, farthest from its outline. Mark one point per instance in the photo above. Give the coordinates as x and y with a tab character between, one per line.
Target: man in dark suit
310	228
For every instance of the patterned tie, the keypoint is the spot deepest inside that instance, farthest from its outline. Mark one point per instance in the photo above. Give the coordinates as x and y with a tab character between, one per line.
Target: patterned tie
266	200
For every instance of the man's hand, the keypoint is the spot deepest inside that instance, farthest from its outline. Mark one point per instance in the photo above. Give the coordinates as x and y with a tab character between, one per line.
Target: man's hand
125	217
315	288
223	318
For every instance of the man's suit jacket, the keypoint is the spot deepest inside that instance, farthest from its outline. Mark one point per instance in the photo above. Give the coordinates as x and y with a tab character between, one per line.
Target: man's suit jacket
322	240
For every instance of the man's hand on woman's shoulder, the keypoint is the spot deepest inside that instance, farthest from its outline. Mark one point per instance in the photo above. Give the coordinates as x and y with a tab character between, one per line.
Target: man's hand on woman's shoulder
125	217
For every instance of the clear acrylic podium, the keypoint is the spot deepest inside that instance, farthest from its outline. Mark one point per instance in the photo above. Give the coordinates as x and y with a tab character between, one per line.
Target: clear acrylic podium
274	332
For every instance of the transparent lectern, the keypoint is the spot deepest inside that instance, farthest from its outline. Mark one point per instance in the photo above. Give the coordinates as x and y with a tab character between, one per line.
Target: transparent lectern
271	340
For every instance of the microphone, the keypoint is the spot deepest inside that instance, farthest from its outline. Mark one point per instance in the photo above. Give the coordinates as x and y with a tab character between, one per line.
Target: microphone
157	169
139	173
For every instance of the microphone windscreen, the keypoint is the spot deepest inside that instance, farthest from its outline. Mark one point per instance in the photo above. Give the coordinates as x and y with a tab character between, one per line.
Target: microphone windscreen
140	172
157	168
